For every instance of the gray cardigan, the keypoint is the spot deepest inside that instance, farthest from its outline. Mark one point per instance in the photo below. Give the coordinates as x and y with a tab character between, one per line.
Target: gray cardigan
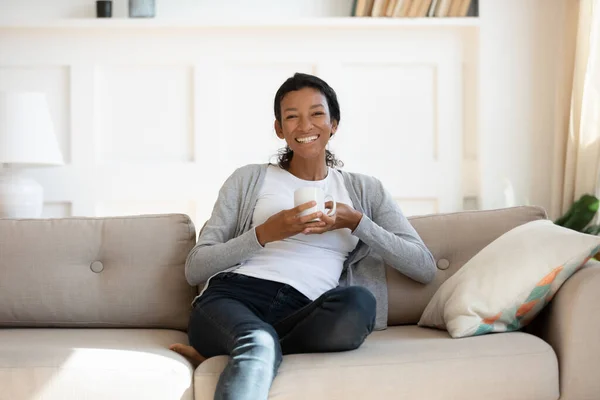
385	236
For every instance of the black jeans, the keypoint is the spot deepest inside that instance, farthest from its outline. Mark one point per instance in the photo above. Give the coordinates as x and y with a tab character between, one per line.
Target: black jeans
256	321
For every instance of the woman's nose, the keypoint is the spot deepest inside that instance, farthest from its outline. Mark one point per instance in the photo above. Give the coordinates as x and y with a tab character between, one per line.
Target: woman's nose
305	124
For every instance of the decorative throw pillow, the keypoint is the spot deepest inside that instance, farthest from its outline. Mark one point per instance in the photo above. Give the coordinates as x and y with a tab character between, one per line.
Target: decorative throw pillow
504	286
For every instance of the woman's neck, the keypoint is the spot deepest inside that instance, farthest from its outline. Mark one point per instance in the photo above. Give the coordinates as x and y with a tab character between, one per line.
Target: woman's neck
308	170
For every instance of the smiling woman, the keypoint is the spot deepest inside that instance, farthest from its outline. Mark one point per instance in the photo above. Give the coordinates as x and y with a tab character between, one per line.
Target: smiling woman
282	282
323	112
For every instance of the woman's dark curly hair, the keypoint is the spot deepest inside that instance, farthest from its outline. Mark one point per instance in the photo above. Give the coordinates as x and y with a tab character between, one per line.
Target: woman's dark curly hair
301	81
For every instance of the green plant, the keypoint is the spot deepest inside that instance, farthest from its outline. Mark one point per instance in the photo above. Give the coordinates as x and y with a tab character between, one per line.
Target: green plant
581	213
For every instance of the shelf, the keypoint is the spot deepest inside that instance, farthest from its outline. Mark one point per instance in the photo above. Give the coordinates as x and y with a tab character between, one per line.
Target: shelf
328	22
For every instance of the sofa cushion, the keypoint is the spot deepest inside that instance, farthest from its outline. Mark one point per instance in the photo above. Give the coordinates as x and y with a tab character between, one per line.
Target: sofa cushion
93	364
510	281
409	362
96	272
453	239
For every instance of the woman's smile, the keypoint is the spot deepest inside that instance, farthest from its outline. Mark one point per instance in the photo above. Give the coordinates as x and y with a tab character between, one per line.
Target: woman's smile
307	139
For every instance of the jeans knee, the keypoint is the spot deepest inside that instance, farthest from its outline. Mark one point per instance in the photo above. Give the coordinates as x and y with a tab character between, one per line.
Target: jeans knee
360	304
356	317
259	345
350	335
255	358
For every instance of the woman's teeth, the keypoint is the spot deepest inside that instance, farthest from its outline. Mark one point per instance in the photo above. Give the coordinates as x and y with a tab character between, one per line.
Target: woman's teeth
308	139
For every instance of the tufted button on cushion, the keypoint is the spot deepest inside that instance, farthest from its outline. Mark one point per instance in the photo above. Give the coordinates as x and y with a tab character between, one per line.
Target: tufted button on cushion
443	264
97	267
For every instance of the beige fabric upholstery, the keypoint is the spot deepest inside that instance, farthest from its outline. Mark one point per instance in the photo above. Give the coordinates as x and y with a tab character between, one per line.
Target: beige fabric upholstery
571	324
93	364
453	239
48	278
413	363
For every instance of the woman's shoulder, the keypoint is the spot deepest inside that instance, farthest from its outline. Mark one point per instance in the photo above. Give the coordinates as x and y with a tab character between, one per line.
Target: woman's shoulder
360	180
248	171
368	189
251	168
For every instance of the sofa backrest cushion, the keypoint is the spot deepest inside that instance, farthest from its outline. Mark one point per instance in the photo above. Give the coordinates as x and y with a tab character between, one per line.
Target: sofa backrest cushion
453	240
96	272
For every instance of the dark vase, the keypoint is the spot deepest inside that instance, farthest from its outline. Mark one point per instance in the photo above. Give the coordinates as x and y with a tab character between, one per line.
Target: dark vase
103	8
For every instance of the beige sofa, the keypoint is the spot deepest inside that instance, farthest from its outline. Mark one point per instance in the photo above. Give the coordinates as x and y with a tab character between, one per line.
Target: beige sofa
88	307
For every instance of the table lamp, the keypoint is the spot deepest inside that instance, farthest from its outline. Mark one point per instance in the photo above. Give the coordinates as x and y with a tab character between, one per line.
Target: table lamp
26	139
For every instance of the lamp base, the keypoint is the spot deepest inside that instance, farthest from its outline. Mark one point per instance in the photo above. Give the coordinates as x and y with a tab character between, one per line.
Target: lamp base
20	196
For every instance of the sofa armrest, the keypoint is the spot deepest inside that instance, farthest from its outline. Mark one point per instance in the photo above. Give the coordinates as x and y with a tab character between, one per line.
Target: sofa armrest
571	325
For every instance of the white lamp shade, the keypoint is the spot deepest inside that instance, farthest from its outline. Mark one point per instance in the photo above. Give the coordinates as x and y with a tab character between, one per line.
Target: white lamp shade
26	130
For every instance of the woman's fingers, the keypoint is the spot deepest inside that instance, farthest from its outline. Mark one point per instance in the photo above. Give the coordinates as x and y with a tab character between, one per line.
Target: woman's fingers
326	224
328	220
315	230
318	224
310	217
303	207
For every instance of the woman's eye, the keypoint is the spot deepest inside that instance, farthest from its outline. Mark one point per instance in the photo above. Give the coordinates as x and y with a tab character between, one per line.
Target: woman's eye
290	117
319	113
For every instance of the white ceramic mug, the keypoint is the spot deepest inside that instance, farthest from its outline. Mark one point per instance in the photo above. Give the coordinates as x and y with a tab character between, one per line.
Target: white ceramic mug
311	193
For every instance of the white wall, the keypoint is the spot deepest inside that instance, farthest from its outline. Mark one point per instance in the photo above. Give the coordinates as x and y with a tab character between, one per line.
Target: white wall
481	100
524	51
154	119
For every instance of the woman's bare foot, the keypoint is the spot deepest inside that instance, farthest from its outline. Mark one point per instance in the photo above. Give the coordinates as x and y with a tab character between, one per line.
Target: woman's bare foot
187	351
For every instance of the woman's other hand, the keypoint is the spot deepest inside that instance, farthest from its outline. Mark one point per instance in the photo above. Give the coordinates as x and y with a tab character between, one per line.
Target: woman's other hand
288	223
345	217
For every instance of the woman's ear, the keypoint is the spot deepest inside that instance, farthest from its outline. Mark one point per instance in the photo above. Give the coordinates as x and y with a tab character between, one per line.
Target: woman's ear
334	126
278	130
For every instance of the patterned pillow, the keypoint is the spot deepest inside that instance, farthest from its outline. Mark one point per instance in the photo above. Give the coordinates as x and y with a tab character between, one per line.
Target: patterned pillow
505	285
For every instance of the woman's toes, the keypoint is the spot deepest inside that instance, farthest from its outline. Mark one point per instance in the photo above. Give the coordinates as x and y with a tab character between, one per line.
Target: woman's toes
187	351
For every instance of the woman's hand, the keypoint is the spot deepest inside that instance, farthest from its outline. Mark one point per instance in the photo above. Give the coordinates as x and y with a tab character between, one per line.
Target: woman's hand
288	223
344	217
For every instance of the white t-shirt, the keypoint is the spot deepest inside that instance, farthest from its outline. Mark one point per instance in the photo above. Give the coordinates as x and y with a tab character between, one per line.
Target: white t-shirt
312	264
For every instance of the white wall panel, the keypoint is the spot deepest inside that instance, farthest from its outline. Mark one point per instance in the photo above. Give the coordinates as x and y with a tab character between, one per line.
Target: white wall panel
389	123
390	113
56	210
144	113
414	207
401	123
160	119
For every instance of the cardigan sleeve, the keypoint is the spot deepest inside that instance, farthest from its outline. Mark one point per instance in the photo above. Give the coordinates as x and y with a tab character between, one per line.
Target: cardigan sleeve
217	249
389	233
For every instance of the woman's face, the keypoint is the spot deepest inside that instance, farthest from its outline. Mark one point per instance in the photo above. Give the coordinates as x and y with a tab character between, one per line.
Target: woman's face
306	124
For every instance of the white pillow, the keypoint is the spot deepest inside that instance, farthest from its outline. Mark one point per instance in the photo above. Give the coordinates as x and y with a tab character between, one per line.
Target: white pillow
504	286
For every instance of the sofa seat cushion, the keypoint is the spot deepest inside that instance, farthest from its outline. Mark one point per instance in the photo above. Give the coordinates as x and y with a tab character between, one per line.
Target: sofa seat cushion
93	364
409	362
